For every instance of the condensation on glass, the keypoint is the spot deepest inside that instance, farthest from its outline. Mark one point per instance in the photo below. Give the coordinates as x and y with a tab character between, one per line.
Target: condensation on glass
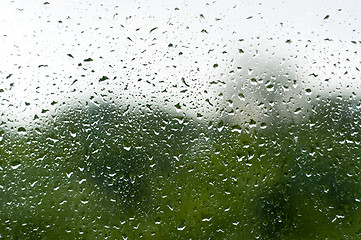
180	119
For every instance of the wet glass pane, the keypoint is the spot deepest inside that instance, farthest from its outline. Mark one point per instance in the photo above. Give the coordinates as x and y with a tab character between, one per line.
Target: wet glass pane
180	119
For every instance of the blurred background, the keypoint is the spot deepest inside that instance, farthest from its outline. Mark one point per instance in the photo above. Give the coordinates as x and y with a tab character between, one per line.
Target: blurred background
180	119
201	55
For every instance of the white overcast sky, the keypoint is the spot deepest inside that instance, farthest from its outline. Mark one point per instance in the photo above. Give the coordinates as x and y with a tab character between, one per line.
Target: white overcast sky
129	42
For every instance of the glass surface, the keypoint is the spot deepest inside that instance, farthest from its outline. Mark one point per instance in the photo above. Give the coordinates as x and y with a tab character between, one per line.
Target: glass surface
180	119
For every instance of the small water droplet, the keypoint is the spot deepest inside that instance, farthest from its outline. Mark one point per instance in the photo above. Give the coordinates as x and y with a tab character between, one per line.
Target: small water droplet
270	88
181	226
298	110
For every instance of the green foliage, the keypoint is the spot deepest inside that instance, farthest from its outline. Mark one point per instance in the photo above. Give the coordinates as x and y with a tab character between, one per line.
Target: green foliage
111	172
